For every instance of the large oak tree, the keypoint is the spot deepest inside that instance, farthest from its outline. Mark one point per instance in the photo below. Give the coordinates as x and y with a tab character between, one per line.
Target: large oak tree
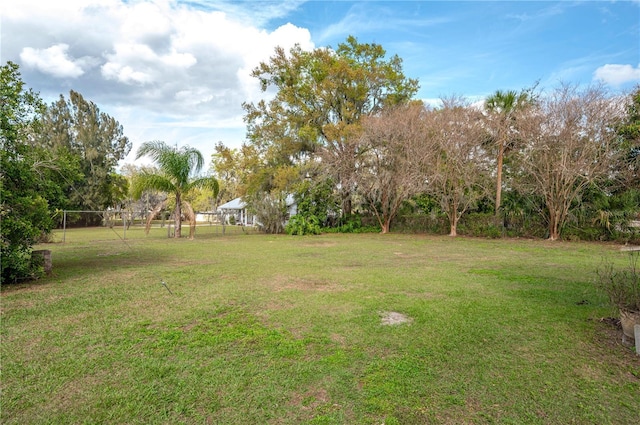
320	98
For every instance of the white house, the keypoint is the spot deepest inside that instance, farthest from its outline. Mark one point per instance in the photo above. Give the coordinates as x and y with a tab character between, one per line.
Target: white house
237	208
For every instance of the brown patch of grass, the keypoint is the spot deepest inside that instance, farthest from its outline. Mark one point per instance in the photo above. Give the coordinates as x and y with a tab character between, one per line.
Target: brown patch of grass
422	295
609	337
310	399
282	283
339	339
73	393
319	244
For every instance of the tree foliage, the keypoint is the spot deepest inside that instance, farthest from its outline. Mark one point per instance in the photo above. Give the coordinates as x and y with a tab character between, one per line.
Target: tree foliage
504	108
233	169
629	131
94	141
316	206
24	211
320	98
270	210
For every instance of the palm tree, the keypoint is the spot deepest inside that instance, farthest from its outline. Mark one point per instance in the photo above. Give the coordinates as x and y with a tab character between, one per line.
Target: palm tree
503	107
173	176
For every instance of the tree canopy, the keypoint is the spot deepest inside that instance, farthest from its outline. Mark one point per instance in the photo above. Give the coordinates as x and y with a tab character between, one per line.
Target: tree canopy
24	211
320	98
78	130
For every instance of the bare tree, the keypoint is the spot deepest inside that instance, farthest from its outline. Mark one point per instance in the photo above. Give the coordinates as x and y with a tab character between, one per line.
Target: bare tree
390	160
569	144
458	176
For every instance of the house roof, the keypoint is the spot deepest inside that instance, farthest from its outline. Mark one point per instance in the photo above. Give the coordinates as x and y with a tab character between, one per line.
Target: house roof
234	204
238	204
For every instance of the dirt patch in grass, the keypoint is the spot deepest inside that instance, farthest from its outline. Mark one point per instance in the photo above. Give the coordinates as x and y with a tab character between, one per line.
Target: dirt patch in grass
319	244
339	339
310	399
275	305
74	393
408	255
351	266
609	335
421	295
315	403
393	318
281	283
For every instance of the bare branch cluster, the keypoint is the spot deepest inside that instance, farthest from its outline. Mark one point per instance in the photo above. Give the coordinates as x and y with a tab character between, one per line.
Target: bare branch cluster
569	143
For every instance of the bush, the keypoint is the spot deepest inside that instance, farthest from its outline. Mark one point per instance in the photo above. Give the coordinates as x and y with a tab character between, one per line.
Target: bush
270	211
622	286
303	225
480	225
353	224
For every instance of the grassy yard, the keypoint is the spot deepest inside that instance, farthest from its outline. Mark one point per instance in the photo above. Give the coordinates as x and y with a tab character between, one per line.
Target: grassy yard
264	329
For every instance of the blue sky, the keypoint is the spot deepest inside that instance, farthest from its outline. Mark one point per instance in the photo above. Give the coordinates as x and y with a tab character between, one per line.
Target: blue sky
178	71
474	48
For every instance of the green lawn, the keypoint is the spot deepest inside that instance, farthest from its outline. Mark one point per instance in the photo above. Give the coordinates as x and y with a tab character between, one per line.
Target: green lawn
265	329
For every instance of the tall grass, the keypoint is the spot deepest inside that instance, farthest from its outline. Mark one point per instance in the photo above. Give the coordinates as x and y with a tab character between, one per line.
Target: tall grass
287	330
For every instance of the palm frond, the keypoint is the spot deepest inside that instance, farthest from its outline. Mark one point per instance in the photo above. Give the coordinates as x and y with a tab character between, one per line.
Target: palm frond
206	183
196	160
191	216
154	149
145	181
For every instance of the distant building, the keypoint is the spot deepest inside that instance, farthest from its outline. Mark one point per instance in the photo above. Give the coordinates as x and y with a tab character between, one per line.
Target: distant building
237	209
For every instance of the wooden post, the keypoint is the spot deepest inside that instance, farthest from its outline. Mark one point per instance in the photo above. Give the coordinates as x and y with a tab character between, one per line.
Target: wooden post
43	256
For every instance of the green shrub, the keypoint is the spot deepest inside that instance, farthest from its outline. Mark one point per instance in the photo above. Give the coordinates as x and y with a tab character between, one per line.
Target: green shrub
480	225
353	224
303	225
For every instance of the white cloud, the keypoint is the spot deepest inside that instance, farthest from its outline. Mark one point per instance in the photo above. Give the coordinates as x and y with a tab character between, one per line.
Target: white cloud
54	61
136	63
151	63
617	75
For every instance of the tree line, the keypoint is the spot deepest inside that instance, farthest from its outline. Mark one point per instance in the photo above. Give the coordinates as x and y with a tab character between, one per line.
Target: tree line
344	134
54	157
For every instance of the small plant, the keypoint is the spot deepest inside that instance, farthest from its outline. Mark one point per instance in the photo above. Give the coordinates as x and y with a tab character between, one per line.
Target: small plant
622	285
623	288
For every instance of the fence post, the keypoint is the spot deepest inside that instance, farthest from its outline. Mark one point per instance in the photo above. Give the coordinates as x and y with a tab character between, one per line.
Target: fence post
64	226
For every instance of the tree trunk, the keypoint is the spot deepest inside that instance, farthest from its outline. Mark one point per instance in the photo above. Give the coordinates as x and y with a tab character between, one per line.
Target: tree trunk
178	217
453	219
385	225
346	205
554	225
453	224
453	232
499	178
